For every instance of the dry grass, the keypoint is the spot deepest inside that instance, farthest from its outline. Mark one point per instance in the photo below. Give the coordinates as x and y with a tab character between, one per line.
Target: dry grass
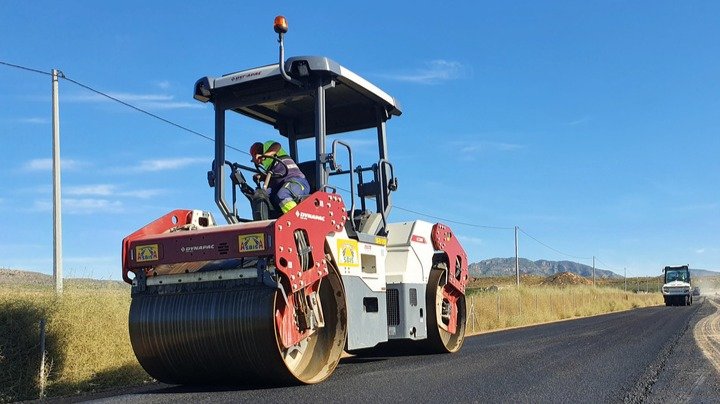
87	343
511	307
649	284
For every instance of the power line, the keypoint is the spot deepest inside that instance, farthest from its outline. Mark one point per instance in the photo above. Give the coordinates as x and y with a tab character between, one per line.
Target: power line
437	217
606	265
454	221
552	248
87	87
25	68
138	109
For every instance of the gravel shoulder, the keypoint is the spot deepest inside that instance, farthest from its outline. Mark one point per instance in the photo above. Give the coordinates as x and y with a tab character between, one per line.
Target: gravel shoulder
692	371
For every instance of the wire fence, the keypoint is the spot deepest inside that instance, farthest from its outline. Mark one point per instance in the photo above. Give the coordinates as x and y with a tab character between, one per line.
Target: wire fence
23	347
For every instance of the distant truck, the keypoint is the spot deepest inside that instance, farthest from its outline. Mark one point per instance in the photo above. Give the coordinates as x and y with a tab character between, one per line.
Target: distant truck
676	289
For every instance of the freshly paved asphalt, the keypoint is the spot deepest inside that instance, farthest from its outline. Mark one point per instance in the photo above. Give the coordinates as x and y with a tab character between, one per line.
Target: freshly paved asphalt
630	356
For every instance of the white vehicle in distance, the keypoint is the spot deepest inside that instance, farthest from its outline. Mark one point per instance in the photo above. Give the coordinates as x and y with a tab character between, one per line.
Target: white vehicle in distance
676	289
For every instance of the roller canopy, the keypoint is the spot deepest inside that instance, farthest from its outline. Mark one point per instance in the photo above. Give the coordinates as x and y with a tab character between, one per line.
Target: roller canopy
353	103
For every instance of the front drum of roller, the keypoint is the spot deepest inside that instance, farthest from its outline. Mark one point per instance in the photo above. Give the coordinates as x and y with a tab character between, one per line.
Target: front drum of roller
228	336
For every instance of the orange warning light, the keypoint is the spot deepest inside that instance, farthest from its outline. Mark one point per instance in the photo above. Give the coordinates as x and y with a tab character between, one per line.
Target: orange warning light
280	25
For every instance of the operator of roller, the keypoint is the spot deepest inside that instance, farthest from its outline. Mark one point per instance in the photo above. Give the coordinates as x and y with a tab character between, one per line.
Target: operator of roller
284	181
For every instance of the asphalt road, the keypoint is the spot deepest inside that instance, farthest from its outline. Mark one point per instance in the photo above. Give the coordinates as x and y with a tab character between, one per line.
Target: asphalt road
645	355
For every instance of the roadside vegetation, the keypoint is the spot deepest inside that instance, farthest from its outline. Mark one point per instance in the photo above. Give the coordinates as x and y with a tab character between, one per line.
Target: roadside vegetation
88	347
501	307
87	343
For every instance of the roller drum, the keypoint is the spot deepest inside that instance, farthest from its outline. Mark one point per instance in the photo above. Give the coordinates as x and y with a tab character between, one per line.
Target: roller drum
228	336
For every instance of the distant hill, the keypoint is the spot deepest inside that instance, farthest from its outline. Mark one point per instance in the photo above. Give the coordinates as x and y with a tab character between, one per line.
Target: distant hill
18	277
506	267
699	273
30	278
702	273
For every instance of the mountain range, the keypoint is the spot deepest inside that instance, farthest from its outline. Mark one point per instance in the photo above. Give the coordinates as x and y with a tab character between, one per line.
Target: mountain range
701	273
506	267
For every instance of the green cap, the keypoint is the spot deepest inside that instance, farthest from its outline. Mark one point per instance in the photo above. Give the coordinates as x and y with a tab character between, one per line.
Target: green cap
268	162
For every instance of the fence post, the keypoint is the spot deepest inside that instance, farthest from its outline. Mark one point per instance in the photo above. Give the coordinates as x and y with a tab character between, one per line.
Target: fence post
472	312
520	312
42	359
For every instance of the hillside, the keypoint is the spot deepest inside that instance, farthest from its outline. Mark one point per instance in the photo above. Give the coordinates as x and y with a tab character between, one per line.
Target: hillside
506	267
18	277
702	273
14	277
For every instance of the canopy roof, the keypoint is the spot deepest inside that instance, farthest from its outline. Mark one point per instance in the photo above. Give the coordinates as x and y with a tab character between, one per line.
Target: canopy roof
351	102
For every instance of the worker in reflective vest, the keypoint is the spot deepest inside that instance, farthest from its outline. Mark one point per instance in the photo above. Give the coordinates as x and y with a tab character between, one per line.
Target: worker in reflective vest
284	181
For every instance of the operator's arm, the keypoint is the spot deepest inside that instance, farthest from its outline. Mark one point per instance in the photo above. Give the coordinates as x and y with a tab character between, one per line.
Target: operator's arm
271	152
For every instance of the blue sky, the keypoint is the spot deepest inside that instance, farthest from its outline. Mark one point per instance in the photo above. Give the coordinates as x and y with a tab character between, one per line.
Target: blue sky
591	125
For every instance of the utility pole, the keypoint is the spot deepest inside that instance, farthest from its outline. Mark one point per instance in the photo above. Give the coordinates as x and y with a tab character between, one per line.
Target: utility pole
593	270
517	259
625	276
57	208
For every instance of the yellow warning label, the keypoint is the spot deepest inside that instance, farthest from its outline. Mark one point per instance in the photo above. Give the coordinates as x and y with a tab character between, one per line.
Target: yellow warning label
381	240
145	253
251	242
348	253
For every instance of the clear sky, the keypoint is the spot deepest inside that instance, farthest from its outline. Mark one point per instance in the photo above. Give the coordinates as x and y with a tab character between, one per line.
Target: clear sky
594	126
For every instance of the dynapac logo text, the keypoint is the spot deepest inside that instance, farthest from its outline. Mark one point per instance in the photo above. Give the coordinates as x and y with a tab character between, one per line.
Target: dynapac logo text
306	216
244	76
194	248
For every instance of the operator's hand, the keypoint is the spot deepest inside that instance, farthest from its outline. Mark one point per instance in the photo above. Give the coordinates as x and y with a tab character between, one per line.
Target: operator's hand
257	178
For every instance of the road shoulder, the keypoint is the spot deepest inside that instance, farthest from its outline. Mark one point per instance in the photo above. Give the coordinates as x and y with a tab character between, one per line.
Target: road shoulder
690	373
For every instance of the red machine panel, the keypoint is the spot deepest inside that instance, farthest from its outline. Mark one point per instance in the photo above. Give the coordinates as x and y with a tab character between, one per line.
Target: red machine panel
305	227
444	240
167	241
314	218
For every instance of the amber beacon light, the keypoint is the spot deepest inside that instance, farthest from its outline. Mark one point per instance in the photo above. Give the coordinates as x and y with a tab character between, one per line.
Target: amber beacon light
280	25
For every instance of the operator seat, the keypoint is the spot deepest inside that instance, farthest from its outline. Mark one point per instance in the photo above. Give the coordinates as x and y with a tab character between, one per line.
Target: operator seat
308	169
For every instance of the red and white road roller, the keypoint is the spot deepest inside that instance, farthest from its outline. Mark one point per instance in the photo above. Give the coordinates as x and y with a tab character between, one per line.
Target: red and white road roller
277	297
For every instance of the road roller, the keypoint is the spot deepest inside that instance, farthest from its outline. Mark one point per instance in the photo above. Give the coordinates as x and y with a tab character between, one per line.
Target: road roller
276	298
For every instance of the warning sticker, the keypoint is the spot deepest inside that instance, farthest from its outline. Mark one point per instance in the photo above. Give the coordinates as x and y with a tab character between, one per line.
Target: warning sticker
418	239
145	253
348	253
251	242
